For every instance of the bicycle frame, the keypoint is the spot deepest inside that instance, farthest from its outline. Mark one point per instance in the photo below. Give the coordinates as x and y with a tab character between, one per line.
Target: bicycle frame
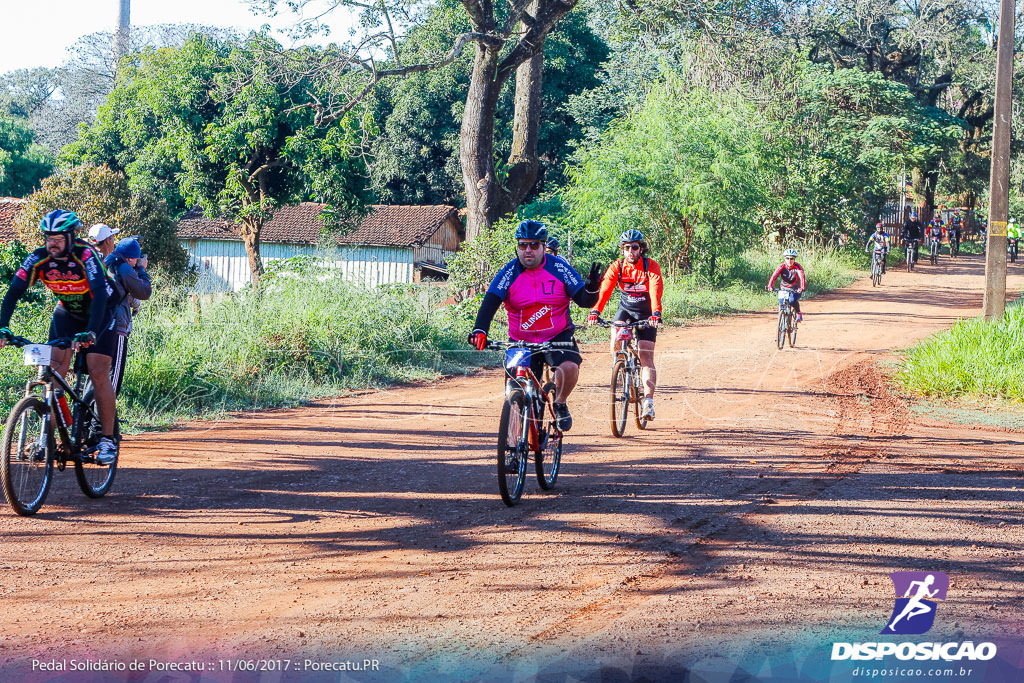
50	381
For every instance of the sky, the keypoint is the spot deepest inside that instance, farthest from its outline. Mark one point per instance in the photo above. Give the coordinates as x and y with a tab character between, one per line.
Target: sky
40	31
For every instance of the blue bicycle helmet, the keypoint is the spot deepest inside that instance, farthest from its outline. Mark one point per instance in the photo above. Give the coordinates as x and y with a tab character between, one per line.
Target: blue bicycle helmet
631	236
60	222
553	244
532	230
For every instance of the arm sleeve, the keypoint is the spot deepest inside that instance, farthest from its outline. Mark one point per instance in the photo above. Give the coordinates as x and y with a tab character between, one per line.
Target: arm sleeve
488	307
14	293
136	281
803	278
656	284
98	287
611	276
584	298
771	280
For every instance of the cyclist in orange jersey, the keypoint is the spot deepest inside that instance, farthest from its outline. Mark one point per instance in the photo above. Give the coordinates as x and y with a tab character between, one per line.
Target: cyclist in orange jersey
641	286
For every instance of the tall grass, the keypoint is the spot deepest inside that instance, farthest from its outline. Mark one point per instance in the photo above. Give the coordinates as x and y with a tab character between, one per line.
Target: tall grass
973	358
300	339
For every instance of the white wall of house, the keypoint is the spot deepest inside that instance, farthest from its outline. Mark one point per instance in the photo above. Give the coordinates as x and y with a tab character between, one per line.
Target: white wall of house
223	265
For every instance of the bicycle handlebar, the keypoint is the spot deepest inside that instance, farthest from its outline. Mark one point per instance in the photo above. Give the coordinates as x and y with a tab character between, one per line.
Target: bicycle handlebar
533	346
59	342
619	323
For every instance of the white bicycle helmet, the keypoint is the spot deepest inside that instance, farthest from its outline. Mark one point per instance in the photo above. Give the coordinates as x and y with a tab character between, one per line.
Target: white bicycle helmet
789	253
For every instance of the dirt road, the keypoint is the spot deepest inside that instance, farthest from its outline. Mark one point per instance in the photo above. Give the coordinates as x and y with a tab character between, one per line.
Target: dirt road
761	514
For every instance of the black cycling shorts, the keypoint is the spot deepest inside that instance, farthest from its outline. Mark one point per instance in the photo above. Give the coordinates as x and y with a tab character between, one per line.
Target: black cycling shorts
642	333
554	357
66	325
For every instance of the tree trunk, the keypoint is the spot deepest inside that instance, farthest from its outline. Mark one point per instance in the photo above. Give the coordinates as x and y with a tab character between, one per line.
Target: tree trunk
488	200
249	230
476	142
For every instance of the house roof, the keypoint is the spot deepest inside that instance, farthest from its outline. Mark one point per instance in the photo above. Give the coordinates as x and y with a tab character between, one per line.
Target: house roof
10	207
385	225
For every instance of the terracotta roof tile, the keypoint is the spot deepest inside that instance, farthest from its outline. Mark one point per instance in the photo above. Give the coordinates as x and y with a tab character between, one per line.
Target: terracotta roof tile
385	225
10	207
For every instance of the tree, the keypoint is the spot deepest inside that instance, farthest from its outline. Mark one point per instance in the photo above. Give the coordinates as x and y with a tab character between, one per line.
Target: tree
685	167
508	40
23	164
100	195
415	158
209	117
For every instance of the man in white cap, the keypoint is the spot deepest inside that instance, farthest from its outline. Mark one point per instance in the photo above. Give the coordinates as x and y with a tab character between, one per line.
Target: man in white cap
102	235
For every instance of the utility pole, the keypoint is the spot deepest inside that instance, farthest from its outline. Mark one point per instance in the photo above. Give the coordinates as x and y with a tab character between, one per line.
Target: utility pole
999	183
123	33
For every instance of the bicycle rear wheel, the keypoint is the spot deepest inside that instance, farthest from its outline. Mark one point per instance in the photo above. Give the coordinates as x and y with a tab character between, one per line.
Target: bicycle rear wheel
94	479
792	330
548	456
910	260
620	397
513	447
782	329
26	459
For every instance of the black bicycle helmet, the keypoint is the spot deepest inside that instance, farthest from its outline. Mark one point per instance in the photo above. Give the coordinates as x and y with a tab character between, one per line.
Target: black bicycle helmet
532	230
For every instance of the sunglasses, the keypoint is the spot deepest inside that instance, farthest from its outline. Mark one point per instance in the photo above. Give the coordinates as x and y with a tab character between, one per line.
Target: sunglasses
530	245
631	247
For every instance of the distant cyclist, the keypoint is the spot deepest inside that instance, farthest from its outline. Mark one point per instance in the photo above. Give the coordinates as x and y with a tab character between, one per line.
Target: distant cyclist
955	229
880	240
536	289
935	231
552	246
791	278
641	286
913	232
72	270
1012	235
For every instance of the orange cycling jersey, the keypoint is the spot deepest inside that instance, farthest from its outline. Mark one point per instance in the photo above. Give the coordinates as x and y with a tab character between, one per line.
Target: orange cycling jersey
641	284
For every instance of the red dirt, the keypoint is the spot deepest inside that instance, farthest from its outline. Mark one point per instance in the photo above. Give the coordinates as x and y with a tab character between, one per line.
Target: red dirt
769	500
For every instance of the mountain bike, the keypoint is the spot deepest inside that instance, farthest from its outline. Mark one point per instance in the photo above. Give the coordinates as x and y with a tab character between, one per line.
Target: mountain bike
1011	249
933	250
42	431
954	245
876	268
787	318
911	253
528	427
627	384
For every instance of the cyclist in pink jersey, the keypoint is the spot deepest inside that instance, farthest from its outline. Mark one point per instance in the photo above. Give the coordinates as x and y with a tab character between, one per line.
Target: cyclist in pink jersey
536	289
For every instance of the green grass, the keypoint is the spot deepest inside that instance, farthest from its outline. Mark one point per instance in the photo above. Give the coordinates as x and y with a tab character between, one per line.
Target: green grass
973	358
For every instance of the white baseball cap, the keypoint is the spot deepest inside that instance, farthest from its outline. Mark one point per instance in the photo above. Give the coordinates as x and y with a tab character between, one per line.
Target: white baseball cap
101	231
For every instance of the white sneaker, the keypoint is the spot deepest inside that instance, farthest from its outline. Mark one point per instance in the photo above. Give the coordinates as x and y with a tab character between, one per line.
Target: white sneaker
106	452
648	409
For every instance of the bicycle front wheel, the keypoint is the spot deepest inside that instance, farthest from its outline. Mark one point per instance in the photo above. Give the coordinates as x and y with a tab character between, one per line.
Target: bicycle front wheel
548	455
620	397
26	459
910	260
782	328
792	330
94	479
513	447
638	396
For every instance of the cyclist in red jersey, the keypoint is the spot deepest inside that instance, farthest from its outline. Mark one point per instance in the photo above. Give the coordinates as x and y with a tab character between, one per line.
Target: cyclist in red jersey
791	277
641	286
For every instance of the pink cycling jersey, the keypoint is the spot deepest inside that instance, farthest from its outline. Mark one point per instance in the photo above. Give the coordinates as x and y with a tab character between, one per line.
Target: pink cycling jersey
537	300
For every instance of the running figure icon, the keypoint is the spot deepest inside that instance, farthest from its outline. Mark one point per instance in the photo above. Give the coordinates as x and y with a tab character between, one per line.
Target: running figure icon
917	593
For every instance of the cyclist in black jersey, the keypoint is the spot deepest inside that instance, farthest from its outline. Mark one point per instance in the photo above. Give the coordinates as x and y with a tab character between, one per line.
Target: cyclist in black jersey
72	270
